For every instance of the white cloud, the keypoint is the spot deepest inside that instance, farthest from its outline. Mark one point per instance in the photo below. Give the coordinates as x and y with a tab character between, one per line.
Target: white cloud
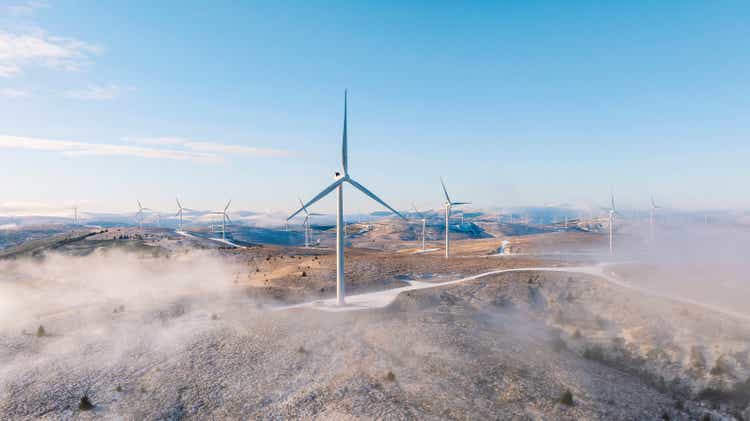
19	51
96	93
213	147
13	93
161	141
234	149
72	148
178	148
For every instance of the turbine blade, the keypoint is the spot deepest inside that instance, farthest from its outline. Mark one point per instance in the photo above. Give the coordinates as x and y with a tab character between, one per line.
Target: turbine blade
373	197
179	205
178	212
139	204
227	206
344	152
228	219
612	198
318	197
460	203
445	190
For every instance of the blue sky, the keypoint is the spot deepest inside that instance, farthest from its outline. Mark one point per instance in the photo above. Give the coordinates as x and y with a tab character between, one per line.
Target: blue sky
514	103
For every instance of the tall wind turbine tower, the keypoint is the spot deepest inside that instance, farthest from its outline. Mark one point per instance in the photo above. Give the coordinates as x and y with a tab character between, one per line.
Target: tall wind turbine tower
338	185
75	214
448	206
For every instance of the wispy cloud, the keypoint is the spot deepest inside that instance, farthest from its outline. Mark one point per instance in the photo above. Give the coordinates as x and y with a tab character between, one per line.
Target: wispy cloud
13	93
159	140
96	93
20	51
179	149
72	148
213	147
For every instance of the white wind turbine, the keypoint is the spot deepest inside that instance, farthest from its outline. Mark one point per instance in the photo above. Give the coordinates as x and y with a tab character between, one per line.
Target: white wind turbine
612	212
224	220
139	215
338	185
448	205
180	211
306	223
424	223
652	218
75	214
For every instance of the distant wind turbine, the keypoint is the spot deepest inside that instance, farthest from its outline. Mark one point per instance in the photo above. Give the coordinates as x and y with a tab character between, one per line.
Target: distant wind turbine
612	212
75	214
424	223
652	219
338	185
306	223
448	206
224	220
180	211
139	215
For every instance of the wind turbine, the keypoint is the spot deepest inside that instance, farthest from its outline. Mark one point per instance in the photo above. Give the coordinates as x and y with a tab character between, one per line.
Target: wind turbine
338	185
180	211
652	218
448	205
75	214
139	214
612	212
424	223
224	220
306	223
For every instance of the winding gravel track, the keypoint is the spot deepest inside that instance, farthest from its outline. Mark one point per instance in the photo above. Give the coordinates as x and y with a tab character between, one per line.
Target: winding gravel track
380	299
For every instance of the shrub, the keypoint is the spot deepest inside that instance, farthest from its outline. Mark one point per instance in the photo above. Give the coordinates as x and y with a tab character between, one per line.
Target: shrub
40	331
567	398
595	353
304	273
85	403
390	376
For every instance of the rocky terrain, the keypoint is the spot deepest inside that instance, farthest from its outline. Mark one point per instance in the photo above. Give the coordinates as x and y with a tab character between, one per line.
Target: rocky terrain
181	339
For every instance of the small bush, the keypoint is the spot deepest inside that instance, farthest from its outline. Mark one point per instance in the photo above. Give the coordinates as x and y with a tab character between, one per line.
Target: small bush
40	331
301	350
390	376
214	316
567	398
595	353
85	403
665	416
304	273
118	388
577	334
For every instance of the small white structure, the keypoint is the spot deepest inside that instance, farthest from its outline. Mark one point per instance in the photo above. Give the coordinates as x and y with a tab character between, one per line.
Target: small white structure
505	248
